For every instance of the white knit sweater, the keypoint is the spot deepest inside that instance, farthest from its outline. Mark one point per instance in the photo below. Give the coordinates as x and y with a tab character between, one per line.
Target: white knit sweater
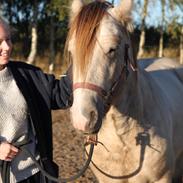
14	125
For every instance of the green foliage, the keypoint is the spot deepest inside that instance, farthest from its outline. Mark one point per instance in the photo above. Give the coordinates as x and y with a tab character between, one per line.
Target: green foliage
58	8
19	13
20	17
174	29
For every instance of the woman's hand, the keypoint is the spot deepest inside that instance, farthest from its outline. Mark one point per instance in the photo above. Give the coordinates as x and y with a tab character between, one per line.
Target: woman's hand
7	151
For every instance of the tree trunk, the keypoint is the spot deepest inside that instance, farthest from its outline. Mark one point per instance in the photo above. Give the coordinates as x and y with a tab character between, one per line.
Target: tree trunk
160	54
52	49
32	54
141	44
162	29
9	3
181	46
142	35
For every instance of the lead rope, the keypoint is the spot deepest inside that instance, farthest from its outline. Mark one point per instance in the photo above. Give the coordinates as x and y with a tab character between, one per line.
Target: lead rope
142	139
5	165
61	180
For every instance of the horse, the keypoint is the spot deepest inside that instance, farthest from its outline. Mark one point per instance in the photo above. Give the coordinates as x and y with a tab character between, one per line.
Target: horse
134	107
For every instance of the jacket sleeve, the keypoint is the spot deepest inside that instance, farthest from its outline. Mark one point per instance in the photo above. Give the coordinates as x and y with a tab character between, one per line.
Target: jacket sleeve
61	96
44	88
57	92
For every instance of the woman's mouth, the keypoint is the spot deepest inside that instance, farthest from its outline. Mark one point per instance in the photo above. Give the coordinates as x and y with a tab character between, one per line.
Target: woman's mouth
4	55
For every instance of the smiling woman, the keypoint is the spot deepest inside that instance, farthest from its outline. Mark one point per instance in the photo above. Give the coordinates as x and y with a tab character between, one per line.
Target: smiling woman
27	96
5	44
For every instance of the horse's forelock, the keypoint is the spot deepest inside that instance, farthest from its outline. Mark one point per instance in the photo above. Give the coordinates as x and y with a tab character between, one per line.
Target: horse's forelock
84	28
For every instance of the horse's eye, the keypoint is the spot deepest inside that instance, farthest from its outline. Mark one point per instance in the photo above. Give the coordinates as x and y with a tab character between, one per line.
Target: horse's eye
111	51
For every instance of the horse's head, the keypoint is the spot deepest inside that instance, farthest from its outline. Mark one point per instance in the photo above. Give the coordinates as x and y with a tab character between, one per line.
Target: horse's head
100	48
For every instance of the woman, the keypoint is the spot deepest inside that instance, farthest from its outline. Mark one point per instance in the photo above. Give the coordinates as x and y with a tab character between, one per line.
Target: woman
27	96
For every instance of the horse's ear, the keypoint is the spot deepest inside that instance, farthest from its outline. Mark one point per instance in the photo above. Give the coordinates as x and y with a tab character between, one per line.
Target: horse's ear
75	8
123	10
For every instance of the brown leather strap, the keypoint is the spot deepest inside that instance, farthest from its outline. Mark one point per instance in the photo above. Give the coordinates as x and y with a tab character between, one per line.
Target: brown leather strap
100	91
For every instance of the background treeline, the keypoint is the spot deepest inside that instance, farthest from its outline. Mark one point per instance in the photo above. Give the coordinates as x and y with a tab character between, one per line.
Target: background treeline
40	27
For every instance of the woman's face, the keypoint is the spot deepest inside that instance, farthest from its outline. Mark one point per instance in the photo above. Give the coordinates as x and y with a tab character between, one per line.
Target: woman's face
5	45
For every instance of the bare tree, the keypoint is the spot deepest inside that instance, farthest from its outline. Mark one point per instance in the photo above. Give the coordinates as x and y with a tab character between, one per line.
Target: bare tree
52	48
162	28
179	4
181	46
33	51
142	35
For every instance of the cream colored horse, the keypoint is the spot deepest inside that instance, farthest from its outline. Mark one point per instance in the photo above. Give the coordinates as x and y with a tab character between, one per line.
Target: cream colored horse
137	109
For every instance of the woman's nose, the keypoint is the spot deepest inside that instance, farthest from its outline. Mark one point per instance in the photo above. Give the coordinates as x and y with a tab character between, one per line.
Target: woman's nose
5	45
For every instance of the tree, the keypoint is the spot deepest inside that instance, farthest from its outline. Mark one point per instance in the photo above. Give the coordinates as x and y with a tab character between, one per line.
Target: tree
20	14
179	3
181	46
58	12
162	28
33	51
52	47
177	30
142	35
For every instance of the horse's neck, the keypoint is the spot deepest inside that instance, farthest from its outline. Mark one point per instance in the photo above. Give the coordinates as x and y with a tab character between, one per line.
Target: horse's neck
131	98
126	109
127	94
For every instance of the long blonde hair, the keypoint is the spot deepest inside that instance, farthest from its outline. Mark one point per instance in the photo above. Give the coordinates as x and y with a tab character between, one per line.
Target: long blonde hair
84	28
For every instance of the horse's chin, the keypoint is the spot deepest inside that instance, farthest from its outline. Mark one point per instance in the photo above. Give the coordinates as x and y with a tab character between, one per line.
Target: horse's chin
92	131
91	139
92	134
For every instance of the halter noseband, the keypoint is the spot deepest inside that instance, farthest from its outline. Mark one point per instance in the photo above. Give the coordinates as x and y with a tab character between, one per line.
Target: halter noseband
100	91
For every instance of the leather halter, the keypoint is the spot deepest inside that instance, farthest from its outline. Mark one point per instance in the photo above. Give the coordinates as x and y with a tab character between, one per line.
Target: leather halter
100	91
106	96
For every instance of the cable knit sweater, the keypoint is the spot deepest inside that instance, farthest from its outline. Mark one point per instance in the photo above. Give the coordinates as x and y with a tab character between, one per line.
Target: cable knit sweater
14	126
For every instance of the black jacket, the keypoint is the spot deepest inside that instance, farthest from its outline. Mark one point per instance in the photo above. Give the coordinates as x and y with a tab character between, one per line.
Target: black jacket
42	93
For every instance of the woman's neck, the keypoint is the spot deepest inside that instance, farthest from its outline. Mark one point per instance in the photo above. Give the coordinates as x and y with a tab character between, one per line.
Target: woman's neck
2	67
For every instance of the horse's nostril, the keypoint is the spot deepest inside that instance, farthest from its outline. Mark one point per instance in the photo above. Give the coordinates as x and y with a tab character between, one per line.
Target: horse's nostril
93	117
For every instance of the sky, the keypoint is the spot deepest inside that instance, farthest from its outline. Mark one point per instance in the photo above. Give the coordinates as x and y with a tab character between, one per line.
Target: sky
154	13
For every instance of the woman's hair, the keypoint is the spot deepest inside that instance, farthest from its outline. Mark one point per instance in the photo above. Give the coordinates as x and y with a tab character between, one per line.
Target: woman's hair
5	24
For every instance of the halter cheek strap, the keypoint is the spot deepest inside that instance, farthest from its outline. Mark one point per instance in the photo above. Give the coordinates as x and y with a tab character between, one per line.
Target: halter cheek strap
106	96
99	90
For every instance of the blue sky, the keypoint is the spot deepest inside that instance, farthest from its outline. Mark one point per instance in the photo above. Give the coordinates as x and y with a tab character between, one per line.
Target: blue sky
154	13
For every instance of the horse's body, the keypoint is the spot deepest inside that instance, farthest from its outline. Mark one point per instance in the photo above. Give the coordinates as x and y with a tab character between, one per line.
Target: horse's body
159	99
142	128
